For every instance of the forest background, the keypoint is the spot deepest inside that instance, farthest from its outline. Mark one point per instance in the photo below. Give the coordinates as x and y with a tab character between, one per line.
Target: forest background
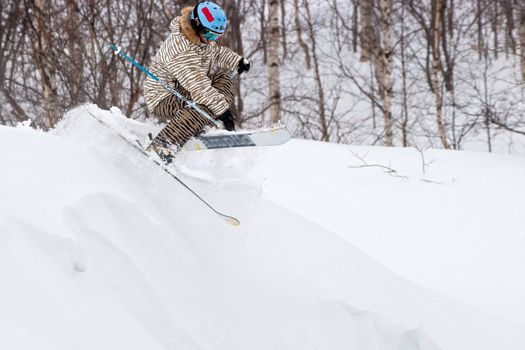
411	73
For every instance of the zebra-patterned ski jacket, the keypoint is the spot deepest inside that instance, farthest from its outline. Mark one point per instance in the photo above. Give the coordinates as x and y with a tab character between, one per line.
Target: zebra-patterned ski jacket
184	58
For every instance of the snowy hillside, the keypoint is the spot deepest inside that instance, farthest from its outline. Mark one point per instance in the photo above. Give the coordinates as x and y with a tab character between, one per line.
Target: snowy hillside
339	247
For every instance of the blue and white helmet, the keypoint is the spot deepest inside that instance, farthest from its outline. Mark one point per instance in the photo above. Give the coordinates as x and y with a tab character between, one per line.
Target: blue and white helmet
209	20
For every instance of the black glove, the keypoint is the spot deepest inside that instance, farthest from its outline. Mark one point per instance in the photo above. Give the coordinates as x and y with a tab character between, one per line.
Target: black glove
243	66
227	119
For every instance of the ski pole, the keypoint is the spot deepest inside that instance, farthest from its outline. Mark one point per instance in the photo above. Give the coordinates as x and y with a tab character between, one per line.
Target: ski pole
117	50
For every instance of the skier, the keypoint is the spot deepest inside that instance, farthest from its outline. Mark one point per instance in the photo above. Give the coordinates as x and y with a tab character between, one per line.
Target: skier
185	59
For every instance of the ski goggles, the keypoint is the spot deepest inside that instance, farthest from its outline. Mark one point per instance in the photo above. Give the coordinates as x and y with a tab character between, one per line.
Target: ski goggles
210	35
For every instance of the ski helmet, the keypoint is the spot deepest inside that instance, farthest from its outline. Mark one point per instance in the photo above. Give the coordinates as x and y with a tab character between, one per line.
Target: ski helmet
209	19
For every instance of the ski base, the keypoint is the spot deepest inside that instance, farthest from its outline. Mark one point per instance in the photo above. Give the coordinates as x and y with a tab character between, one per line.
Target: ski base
266	137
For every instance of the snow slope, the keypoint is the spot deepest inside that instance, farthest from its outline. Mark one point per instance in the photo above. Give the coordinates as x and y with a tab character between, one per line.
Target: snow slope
99	249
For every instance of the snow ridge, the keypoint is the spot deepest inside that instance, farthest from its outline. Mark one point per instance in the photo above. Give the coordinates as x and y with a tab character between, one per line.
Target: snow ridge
101	250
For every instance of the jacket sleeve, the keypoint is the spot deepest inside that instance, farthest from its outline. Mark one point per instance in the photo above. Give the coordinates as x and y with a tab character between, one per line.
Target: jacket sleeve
226	58
185	67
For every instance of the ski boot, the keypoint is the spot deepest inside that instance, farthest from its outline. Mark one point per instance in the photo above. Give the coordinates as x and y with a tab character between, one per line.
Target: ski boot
164	151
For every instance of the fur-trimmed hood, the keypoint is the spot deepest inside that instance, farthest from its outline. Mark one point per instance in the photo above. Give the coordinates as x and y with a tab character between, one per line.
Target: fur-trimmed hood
185	26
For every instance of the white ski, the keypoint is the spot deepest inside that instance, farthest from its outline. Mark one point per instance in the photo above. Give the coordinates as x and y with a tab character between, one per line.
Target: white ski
138	146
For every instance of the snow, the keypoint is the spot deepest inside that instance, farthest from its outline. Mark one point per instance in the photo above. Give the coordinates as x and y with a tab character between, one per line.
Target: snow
100	249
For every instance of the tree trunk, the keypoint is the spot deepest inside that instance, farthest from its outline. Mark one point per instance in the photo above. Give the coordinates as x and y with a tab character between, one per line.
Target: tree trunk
76	69
299	33
449	64
233	40
42	47
510	41
404	121
378	49
367	30
481	45
495	18
283	26
274	82
355	26
325	133
438	7
521	21
263	28
384	69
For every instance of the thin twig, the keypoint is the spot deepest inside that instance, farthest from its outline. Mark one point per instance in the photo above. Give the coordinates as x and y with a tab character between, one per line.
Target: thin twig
388	170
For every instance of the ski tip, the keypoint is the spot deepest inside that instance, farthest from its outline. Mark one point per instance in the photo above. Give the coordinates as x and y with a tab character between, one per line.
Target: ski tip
232	221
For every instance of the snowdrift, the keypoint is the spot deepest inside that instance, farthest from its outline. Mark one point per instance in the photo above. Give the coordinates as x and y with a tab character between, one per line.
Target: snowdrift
99	249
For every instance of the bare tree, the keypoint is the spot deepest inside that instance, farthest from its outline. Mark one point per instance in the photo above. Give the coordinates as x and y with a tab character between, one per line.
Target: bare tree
510	41
383	59
299	33
233	39
404	72
438	9
377	48
41	44
274	82
368	34
521	21
318	77
13	29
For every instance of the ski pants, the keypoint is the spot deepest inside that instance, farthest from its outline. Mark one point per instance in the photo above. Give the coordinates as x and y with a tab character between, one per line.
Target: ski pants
183	122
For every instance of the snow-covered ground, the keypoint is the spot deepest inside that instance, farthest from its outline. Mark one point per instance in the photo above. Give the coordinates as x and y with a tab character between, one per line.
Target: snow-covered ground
339	247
